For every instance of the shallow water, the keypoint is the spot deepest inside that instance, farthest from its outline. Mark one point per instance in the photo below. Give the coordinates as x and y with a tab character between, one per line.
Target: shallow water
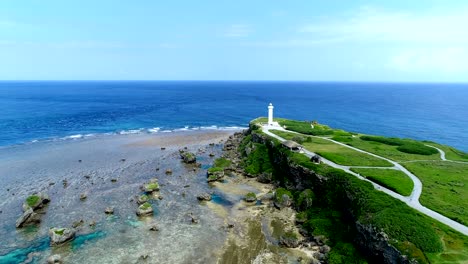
122	237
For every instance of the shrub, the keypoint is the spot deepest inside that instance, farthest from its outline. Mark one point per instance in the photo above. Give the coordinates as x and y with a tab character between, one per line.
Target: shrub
298	139
32	200
305	199
406	146
417	148
280	194
222	163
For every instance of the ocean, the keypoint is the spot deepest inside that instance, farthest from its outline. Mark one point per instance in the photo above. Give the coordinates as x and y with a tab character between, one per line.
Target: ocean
43	110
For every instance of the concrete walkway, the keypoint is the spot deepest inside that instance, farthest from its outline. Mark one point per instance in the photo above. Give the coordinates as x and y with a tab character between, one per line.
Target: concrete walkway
412	200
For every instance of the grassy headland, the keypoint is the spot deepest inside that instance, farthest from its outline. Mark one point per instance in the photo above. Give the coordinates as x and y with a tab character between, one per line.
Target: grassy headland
411	232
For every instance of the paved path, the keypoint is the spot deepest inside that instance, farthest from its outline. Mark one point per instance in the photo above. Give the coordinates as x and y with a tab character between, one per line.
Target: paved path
412	200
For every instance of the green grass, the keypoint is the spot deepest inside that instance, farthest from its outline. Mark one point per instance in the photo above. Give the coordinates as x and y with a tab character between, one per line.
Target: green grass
145	206
445	187
32	200
250	195
384	150
258	160
337	153
59	231
222	163
152	186
404	145
394	180
215	169
451	153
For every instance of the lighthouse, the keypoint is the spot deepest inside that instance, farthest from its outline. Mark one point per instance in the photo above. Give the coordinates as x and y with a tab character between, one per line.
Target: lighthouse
270	115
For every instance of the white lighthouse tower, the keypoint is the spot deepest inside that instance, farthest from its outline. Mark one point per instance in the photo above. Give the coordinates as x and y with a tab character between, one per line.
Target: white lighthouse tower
270	115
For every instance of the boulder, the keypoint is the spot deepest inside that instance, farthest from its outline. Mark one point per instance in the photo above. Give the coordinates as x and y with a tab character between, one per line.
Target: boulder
60	235
83	196
36	201
54	259
204	197
109	210
151	187
187	157
28	217
154	227
289	240
250	197
168	171
145	209
215	175
142	199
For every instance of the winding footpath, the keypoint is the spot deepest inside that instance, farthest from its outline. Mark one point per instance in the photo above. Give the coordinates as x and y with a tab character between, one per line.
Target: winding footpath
412	200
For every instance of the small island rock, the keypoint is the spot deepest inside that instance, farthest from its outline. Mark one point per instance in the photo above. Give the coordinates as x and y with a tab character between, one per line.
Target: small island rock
60	235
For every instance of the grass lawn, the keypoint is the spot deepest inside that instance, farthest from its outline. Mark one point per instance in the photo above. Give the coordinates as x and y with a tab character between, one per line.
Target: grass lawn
451	153
445	187
394	180
336	153
384	150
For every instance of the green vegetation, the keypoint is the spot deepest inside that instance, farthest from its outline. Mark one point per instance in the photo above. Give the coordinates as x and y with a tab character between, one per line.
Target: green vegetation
305	199
145	206
32	200
279	194
394	180
59	231
404	145
154	186
384	150
451	153
222	163
342	196
219	165
257	161
215	169
337	153
445	187
250	196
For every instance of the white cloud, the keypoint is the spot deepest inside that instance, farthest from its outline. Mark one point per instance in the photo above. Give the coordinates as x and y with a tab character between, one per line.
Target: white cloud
369	24
238	31
451	60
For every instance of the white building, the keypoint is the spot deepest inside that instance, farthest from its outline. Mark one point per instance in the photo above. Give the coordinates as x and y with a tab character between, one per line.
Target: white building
270	116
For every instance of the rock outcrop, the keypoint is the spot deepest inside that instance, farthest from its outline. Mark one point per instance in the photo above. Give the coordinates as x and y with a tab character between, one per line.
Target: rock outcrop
204	197
60	235
187	157
145	210
32	209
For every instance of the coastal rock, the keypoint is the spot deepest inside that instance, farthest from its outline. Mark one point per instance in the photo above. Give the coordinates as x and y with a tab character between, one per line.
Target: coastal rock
54	259
78	223
187	157
204	197
83	196
315	159
142	199
265	177
168	171
215	175
250	197
152	186
289	240
145	210
36	201
60	235
153	227
109	210
28	217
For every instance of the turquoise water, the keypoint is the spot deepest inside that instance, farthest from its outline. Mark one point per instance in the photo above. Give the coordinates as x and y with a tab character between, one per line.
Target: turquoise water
52	110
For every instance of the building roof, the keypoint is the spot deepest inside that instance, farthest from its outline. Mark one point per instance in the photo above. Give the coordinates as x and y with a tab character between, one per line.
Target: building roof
290	144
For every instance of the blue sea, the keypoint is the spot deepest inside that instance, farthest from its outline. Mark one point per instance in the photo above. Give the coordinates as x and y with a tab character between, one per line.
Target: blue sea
38	111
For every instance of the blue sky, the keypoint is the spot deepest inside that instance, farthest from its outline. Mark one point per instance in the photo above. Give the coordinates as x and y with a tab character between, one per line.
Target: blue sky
397	41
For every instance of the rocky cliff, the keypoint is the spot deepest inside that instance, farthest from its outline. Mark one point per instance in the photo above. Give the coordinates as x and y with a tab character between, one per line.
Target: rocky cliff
374	243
